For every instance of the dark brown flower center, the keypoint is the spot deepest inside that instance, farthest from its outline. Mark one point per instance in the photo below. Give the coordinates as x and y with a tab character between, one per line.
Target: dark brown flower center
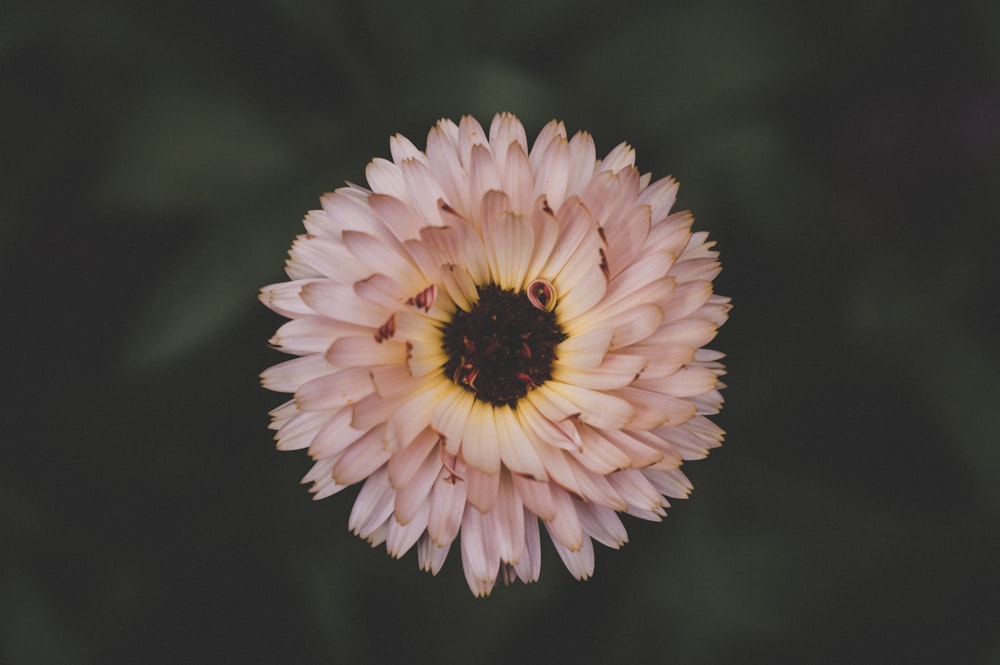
503	347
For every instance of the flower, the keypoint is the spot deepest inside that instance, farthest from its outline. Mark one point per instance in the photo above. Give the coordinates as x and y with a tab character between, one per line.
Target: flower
496	339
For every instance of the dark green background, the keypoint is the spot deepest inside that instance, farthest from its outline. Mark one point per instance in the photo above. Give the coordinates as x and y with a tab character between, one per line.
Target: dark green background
156	159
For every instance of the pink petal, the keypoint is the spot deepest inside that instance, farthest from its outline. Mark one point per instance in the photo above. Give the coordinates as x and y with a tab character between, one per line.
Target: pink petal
364	350
373	505
602	524
480	446
401	537
507	521
579	562
596	408
529	566
287	376
431	556
565	529
482	488
312	334
414	497
335	390
479	555
517	444
362	458
340	302
447	507
615	371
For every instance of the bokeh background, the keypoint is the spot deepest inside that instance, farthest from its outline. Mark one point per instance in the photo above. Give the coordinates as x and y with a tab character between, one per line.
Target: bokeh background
156	160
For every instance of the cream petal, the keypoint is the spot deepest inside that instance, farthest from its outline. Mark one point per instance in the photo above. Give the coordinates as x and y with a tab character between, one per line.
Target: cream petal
460	286
585	350
580	563
615	371
588	289
451	415
596	408
549	417
335	390
480	446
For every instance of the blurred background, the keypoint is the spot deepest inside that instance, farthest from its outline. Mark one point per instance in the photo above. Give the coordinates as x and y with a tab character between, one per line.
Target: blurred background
156	160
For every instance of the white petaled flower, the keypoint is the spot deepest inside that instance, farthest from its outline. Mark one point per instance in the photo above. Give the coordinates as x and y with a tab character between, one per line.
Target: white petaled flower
495	340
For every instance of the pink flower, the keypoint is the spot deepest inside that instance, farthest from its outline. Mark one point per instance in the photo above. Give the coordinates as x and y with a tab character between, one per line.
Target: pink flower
496	340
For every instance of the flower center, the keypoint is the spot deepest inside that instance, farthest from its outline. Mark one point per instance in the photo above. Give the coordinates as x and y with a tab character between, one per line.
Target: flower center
503	347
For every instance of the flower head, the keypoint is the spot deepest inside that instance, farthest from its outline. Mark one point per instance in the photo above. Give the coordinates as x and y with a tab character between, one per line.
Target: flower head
496	339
